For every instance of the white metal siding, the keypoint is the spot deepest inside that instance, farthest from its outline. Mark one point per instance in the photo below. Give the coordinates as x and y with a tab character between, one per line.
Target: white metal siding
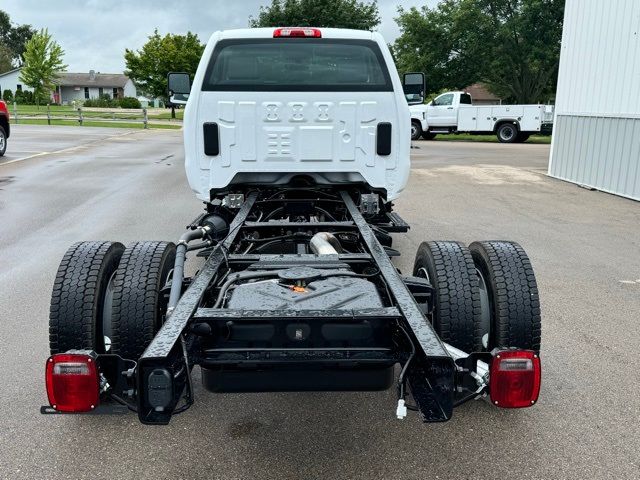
596	138
599	152
600	58
9	81
130	89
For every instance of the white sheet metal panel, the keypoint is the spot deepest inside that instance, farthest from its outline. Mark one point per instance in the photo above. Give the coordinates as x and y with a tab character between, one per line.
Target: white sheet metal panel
599	152
596	138
600	58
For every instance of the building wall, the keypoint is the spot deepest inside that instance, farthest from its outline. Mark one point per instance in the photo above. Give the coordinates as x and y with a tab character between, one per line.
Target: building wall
130	89
70	94
596	138
10	81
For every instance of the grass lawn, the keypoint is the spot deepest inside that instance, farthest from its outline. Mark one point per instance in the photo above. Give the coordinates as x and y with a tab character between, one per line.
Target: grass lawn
465	137
94	123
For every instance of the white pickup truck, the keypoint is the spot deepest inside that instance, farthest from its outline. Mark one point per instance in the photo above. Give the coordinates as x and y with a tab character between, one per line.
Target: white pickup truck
453	112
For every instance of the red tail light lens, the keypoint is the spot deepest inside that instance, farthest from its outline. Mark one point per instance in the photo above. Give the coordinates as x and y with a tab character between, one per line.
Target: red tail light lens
297	32
72	382
3	107
514	378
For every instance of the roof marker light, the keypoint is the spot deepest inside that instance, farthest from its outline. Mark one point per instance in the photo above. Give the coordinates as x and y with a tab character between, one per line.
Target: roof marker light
297	32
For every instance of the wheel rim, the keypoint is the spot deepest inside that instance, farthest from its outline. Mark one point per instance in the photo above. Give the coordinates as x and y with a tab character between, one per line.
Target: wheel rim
485	310
414	130
107	308
1	142
507	132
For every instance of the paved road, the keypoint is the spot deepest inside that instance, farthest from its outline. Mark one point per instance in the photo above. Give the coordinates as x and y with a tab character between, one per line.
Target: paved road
27	141
584	246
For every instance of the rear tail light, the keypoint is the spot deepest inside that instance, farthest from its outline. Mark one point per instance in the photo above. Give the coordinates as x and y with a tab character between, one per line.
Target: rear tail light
297	32
72	382
3	107
514	378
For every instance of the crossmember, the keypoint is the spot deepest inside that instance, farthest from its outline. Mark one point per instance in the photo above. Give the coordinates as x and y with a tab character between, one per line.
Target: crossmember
163	371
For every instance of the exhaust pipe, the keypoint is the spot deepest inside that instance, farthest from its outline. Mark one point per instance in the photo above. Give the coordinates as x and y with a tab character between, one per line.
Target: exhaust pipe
324	243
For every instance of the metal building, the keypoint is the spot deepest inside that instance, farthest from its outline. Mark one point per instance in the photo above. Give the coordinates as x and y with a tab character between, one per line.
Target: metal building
596	139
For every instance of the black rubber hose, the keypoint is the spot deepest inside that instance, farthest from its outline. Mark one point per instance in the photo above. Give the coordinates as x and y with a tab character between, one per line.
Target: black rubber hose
178	266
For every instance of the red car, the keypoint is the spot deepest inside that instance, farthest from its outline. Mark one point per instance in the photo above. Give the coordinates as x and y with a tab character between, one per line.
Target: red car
4	127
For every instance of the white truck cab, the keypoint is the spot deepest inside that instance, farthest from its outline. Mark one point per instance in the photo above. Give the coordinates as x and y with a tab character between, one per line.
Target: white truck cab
269	105
454	112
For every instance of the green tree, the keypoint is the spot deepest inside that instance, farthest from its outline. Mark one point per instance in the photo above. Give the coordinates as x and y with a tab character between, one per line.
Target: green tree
512	45
42	64
149	66
6	59
14	37
318	13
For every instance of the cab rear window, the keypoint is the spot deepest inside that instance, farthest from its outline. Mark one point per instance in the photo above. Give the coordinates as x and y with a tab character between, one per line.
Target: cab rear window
297	64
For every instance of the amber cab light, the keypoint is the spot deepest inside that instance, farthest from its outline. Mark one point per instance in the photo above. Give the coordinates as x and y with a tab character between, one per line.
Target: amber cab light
514	378
72	382
297	32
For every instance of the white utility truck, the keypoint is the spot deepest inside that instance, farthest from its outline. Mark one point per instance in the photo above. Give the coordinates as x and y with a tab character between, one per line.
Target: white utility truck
297	140
454	112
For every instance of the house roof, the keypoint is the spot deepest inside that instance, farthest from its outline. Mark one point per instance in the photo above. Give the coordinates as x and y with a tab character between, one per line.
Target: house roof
66	79
10	71
479	91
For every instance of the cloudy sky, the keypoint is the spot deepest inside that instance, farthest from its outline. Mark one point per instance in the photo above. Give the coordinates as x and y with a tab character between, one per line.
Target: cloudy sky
95	33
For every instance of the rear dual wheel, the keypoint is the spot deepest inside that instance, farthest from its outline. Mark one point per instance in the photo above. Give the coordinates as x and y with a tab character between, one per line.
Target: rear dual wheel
76	314
139	305
449	268
110	299
507	133
416	130
486	295
510	290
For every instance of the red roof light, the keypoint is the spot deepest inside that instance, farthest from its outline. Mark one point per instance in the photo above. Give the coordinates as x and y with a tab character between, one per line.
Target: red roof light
297	32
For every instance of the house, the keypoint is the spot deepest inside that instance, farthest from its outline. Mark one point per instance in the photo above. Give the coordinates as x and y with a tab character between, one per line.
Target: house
481	95
77	86
83	86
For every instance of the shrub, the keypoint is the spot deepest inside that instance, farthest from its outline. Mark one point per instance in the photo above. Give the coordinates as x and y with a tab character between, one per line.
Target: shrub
129	102
24	97
7	96
103	101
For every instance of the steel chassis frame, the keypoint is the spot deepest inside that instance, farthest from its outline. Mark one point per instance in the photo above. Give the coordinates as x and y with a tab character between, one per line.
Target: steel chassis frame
433	369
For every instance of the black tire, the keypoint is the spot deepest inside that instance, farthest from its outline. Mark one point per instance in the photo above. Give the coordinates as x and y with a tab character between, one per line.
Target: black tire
522	137
3	141
138	305
507	133
513	294
450	269
416	130
428	135
77	300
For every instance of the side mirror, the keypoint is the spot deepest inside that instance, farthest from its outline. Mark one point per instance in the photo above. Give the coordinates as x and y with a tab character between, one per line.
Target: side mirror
179	87
414	87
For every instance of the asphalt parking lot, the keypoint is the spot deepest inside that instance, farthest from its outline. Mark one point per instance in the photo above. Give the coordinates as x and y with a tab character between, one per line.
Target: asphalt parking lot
129	185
